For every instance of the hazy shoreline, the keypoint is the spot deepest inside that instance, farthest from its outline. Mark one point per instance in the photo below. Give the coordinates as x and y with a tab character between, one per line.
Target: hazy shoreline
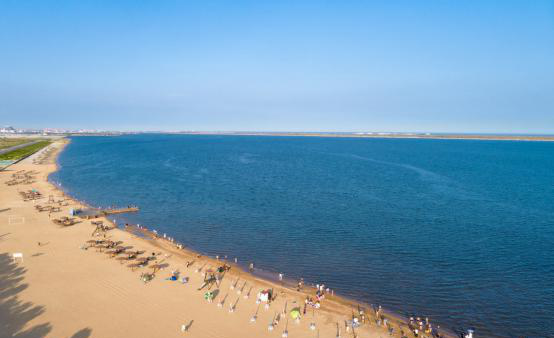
430	136
368	135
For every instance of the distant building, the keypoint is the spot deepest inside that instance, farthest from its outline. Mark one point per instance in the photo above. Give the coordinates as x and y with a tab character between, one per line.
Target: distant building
7	130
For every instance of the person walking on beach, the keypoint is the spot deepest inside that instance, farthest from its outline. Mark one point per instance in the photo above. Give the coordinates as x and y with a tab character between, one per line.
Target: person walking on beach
300	284
281	277
251	267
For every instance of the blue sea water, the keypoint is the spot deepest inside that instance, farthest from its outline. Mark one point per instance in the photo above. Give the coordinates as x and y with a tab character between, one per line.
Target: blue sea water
461	231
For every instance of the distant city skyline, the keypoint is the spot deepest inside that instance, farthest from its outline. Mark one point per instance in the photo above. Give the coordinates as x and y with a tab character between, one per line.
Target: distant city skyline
468	67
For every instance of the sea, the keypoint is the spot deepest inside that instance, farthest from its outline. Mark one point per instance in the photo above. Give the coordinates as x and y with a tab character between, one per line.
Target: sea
460	231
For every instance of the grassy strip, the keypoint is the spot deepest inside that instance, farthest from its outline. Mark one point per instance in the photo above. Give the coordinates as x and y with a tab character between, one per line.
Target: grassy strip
25	151
6	142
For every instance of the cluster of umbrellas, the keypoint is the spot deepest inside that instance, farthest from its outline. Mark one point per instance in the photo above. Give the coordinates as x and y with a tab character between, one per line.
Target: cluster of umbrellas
49	208
44	155
125	254
65	221
22	177
30	195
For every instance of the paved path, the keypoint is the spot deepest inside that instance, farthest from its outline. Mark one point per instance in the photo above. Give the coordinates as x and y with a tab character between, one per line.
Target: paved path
7	150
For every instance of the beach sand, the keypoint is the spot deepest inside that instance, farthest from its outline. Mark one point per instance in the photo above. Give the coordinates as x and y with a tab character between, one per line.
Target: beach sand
61	290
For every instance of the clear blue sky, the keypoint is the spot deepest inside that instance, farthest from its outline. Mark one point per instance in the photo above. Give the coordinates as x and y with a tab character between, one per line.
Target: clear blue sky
443	66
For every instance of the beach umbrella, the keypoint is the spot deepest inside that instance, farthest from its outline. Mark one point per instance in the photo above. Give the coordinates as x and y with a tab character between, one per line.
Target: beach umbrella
157	266
295	313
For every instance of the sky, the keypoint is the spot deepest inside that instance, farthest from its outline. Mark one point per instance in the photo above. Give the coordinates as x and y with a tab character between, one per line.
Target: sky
427	66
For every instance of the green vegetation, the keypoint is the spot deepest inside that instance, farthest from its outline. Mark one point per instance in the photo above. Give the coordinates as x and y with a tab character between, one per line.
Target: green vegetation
25	151
6	142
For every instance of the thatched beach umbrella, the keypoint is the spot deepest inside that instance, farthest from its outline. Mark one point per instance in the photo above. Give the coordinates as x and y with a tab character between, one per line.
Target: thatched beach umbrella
91	243
156	267
142	262
100	247
123	259
133	266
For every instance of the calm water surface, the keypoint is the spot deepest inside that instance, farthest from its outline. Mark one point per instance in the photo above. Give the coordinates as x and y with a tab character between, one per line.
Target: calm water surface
461	231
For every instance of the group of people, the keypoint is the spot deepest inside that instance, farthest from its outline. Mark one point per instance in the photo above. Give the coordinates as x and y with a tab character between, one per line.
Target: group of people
212	278
315	301
420	326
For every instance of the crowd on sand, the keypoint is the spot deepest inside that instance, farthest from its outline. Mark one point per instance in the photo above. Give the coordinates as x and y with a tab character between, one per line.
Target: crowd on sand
153	263
417	326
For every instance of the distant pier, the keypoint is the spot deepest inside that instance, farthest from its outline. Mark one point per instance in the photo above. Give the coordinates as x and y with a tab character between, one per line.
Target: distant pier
119	211
94	213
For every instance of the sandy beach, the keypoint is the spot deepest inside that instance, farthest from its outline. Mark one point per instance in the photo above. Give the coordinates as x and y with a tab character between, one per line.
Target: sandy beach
59	289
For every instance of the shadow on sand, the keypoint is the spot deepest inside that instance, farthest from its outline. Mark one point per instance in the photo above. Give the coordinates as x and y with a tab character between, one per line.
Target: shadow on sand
15	314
